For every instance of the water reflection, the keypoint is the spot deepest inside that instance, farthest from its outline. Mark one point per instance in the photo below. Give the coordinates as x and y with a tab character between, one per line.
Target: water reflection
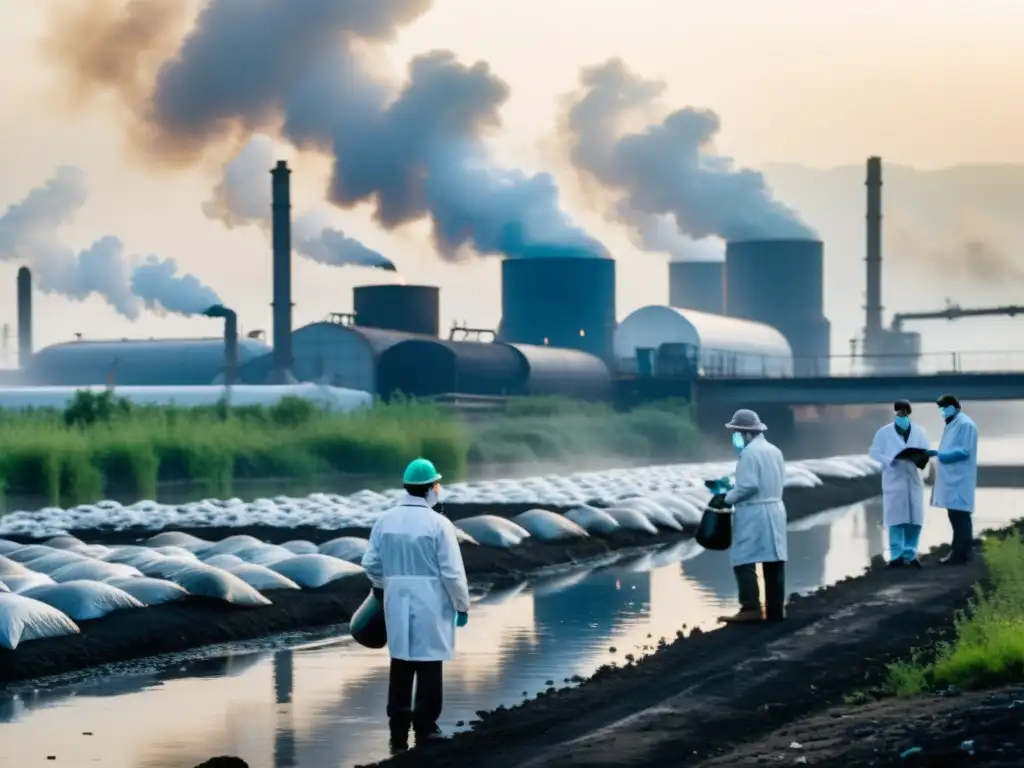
324	705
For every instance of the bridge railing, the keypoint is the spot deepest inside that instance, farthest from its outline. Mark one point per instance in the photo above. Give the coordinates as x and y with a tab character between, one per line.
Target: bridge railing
999	361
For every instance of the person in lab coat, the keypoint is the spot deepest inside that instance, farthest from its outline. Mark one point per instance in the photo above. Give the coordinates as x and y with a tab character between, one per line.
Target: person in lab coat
902	484
956	477
414	556
759	520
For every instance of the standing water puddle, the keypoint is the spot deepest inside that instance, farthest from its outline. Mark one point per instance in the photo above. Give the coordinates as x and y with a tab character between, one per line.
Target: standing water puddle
323	704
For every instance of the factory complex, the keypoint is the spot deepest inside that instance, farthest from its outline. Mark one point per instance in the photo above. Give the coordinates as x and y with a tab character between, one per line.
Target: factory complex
758	314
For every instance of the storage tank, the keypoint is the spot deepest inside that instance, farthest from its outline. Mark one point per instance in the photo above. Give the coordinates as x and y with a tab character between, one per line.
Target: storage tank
563	301
402	308
698	285
781	283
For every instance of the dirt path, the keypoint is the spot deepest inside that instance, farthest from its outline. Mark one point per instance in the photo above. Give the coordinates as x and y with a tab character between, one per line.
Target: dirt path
711	691
977	729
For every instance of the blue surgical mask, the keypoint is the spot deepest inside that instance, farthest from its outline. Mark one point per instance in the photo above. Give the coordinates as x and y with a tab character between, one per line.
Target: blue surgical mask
738	442
948	411
903	422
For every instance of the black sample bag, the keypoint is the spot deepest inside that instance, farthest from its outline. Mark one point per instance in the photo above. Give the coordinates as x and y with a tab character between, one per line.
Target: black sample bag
367	626
715	530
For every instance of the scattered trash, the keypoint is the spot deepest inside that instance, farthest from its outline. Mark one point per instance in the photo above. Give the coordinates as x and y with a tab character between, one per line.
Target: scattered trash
967	746
801	760
911	752
796	745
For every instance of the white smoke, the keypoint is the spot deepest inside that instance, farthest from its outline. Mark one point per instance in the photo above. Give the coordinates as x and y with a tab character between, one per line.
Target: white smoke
243	196
29	234
668	169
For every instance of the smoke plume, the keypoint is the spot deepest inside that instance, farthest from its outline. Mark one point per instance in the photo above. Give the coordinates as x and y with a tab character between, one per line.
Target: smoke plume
413	152
29	233
968	246
668	168
243	196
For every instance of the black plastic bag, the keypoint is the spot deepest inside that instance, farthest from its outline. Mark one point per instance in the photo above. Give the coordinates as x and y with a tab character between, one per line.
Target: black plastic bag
367	626
715	530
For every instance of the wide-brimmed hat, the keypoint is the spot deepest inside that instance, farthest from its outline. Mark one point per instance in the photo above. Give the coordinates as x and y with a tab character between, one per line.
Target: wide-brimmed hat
746	420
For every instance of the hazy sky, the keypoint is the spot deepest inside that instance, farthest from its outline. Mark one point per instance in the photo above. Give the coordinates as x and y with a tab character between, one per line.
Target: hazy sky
921	83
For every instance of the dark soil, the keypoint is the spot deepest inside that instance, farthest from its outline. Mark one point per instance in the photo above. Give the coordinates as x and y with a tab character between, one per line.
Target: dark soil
949	731
194	623
705	694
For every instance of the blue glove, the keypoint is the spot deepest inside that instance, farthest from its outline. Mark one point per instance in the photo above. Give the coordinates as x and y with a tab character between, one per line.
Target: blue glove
932	452
461	619
953	456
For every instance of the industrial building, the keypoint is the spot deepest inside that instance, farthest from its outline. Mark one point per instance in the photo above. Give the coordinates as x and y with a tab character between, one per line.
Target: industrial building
759	313
657	340
781	283
561	301
136	363
697	285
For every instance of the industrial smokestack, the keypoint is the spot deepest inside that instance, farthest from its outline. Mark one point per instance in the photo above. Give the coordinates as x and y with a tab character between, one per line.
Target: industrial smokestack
230	340
281	211
24	316
873	259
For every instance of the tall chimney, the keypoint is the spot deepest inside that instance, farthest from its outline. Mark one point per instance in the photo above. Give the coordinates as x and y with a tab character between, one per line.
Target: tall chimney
230	340
282	242
873	308
24	316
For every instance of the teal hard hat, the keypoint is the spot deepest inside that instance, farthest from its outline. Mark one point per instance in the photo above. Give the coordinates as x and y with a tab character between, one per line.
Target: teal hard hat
421	472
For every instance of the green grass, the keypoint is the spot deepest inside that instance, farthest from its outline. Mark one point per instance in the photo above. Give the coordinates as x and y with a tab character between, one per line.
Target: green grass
988	643
102	445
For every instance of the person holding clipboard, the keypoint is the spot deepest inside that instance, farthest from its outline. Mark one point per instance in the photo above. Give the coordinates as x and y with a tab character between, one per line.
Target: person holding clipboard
903	450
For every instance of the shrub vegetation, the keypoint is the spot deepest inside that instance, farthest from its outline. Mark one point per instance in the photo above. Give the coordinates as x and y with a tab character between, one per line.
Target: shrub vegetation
987	647
101	444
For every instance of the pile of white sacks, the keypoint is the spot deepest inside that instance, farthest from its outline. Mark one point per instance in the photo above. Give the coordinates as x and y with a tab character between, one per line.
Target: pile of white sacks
360	510
46	588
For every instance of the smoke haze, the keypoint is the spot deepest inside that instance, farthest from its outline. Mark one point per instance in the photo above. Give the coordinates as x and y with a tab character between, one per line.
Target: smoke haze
243	197
415	151
669	168
29	233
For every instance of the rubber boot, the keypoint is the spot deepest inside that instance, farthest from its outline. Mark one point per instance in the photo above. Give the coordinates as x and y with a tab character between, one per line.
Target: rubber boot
399	727
429	735
750	597
775	591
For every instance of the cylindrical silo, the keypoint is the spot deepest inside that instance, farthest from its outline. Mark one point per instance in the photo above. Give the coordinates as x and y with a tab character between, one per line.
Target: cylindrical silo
697	285
404	308
565	301
781	283
24	316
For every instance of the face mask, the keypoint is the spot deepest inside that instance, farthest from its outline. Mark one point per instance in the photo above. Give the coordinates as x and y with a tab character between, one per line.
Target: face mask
738	442
903	422
434	496
948	411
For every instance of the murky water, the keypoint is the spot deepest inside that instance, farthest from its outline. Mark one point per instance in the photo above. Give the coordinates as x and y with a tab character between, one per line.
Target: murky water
323	705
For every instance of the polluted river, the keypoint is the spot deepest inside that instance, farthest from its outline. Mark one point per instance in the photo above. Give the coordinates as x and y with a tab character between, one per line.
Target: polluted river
318	699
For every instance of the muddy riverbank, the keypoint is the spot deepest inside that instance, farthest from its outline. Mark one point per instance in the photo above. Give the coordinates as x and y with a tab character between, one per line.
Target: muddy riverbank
681	705
179	627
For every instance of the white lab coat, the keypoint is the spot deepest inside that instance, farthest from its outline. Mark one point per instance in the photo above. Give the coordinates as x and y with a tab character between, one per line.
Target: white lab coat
414	557
759	516
955	483
902	483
